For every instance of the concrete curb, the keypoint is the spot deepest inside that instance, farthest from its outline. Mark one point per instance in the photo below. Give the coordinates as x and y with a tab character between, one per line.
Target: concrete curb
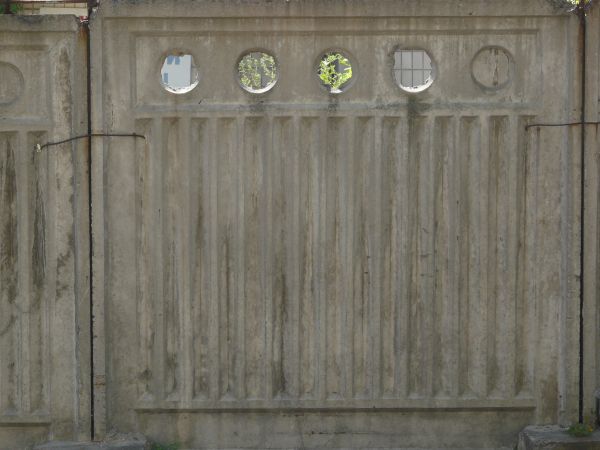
553	437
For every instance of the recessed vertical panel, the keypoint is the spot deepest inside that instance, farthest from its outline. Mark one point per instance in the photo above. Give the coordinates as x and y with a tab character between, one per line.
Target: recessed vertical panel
525	295
200	212
364	192
395	181
283	167
9	277
472	311
421	201
444	328
498	295
309	140
172	257
256	239
145	256
227	248
37	163
335	176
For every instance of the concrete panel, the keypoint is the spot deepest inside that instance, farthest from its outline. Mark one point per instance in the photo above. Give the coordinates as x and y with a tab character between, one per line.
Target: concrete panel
44	326
366	265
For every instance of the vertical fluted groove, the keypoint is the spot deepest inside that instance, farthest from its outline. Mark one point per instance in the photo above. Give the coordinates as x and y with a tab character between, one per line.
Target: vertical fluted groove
145	204
481	306
411	337
321	252
185	218
465	232
200	211
211	186
379	200
406	191
25	195
291	367
157	161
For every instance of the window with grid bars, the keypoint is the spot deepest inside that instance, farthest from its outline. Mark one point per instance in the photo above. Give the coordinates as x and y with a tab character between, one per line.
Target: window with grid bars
413	70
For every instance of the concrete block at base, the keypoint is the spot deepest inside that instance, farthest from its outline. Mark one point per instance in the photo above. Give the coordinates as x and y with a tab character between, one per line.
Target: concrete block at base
553	437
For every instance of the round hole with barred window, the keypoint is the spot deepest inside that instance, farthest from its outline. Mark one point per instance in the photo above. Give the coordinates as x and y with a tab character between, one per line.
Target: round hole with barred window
414	70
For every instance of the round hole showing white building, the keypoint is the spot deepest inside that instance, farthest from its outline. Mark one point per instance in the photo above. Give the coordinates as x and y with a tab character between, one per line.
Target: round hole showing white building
335	72
179	73
257	72
413	70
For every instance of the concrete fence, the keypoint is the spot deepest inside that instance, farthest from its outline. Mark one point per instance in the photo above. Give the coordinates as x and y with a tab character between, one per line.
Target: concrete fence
386	266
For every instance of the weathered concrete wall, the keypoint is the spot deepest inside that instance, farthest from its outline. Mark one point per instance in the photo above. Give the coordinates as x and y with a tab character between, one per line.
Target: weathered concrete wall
296	269
592	218
375	269
44	295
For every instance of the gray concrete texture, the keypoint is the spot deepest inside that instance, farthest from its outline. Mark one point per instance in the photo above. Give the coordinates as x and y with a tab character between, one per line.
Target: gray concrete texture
298	269
44	272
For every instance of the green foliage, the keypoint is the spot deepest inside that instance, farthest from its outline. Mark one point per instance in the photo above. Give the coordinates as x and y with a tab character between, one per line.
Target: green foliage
14	9
334	71
580	429
156	446
257	71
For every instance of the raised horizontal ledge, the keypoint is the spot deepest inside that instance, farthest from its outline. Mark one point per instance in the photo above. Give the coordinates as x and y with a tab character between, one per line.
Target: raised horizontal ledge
38	23
30	420
325	8
337	405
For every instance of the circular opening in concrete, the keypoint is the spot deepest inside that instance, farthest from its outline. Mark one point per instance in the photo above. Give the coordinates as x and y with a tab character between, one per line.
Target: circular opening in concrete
179	74
335	72
414	70
257	72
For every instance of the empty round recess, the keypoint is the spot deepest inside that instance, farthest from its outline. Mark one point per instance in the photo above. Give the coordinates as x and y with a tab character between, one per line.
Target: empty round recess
257	72
335	72
179	74
492	68
413	70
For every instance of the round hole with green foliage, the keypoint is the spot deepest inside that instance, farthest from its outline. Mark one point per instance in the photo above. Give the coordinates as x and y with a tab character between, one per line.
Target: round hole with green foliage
257	72
335	72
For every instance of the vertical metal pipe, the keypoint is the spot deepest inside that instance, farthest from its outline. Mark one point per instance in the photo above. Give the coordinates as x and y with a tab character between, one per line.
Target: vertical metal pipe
86	24
581	9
